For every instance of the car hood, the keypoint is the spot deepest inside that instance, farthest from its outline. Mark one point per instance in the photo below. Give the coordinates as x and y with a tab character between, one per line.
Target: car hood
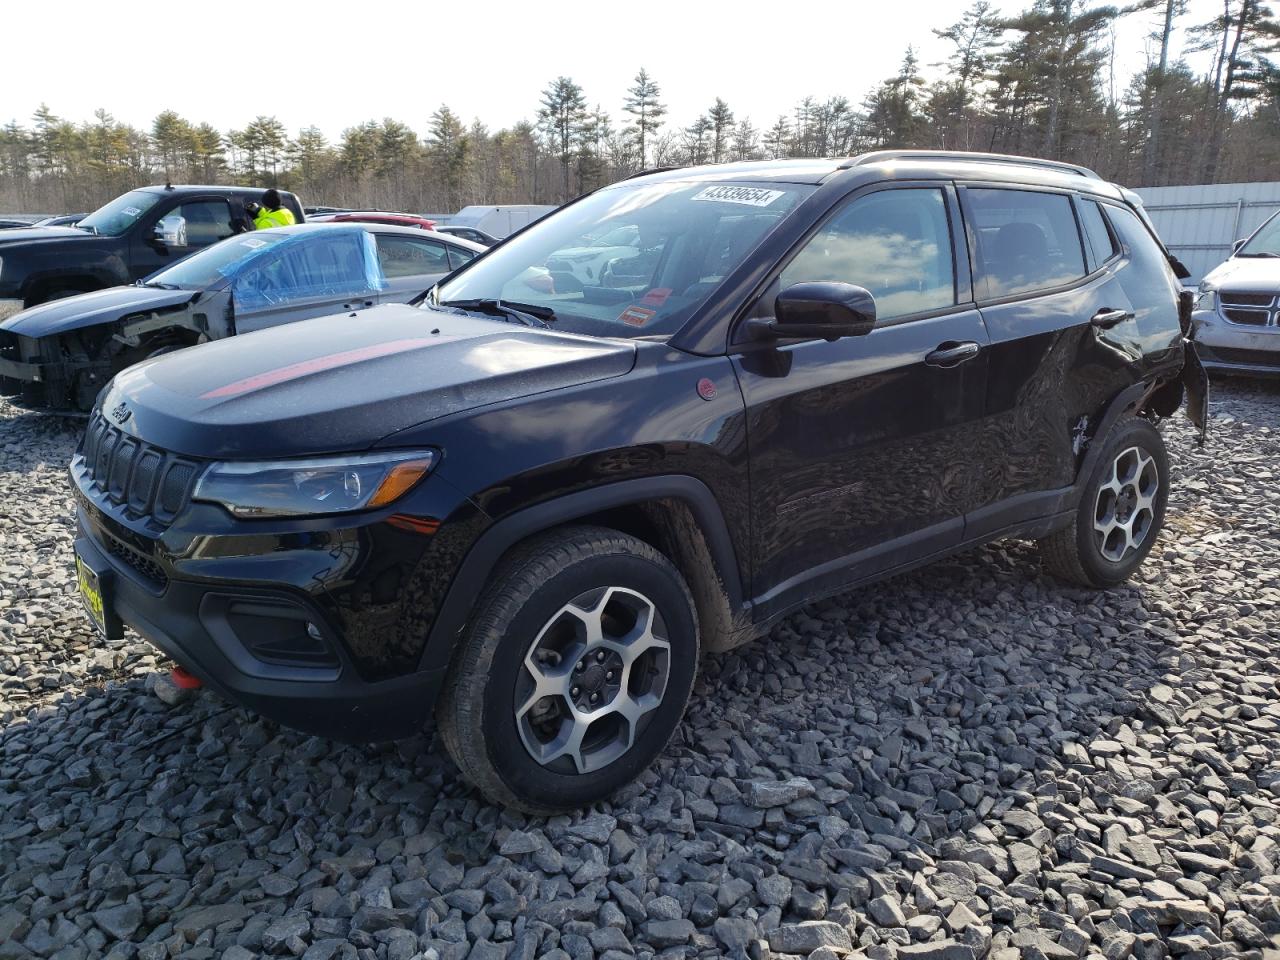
342	383
90	309
43	234
1246	273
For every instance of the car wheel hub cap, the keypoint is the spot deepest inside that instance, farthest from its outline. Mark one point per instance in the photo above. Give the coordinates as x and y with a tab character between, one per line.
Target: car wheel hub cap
1124	510
591	680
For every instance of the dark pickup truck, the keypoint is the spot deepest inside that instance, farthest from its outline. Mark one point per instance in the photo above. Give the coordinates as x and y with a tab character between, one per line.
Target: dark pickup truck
131	237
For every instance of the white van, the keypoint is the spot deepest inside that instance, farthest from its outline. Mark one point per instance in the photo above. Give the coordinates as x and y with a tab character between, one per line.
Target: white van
502	221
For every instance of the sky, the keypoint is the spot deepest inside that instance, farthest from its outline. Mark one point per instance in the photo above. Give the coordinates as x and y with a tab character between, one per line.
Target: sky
336	64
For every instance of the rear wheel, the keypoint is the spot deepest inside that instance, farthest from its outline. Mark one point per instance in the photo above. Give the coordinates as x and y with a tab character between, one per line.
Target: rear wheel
1120	513
574	672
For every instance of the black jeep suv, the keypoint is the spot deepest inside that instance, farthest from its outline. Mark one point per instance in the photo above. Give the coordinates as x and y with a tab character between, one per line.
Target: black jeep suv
648	426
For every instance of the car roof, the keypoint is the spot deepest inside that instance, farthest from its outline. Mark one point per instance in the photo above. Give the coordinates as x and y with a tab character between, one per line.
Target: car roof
899	165
312	226
207	188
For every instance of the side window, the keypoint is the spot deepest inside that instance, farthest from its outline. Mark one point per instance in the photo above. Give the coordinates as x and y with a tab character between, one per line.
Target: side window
1026	240
410	257
1146	278
320	267
1101	244
458	256
208	221
896	243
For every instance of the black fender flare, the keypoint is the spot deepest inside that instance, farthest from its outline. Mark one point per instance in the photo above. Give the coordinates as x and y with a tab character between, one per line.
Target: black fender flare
506	532
1126	401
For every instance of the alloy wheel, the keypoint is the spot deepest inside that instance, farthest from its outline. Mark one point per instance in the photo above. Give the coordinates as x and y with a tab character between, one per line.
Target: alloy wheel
1124	511
591	679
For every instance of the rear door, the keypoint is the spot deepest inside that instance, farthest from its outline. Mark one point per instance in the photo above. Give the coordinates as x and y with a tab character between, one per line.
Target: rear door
410	265
1063	340
311	276
860	449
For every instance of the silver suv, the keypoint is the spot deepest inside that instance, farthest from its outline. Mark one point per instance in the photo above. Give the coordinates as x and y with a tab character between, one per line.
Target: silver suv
1237	311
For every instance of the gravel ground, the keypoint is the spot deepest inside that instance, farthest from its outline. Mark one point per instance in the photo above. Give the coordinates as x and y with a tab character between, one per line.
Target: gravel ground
970	761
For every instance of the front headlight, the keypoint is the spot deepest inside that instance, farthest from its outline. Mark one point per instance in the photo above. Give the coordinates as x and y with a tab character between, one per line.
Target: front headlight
1207	298
325	485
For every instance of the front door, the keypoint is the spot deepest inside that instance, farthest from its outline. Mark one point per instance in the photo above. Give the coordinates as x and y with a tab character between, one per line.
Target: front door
310	275
206	221
861	449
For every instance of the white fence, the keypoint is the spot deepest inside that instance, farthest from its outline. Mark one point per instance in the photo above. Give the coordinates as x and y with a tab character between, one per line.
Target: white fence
1199	223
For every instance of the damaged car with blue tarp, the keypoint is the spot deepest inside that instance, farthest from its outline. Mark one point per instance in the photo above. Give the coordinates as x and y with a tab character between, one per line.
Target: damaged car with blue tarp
58	355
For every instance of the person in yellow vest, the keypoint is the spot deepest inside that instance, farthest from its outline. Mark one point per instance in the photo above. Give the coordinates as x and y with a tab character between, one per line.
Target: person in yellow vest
270	213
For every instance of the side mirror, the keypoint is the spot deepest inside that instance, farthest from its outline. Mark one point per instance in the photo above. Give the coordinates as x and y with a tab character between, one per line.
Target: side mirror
172	231
825	310
1235	247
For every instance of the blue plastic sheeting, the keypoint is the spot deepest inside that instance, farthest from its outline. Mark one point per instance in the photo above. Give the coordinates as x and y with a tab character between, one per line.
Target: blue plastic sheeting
307	265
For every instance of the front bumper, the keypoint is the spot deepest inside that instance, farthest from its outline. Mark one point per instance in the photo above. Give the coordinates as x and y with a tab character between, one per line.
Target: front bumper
249	630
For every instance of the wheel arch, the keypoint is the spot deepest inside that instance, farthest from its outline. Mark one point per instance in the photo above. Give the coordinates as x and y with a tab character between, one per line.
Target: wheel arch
676	514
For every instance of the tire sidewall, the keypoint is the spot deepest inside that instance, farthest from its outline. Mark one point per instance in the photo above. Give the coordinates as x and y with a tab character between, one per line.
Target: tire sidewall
521	774
1133	433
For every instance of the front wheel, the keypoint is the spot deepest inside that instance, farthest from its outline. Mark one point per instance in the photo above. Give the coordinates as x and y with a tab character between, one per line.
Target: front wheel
1120	513
574	671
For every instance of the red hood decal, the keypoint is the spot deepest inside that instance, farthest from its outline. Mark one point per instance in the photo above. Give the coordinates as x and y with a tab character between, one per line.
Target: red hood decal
318	364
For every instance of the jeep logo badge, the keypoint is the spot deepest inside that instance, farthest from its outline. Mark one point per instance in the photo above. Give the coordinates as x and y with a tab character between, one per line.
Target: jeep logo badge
121	413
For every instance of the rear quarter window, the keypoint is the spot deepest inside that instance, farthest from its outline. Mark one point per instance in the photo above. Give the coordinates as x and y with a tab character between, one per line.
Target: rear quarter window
1102	245
1027	240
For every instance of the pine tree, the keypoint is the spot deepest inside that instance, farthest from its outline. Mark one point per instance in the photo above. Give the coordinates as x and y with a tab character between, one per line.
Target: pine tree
561	114
720	120
643	104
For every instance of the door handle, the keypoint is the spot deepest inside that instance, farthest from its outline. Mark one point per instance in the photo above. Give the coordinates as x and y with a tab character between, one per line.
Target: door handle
1107	318
950	354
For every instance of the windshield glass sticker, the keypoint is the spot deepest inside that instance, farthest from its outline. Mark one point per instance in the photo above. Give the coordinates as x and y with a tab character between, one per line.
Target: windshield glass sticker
254	244
636	316
132	211
656	297
751	196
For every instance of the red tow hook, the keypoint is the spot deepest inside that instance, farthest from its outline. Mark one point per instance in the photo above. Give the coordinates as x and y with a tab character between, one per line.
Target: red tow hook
185	680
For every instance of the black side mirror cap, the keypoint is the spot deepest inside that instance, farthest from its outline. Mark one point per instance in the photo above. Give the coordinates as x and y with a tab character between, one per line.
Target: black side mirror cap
1235	247
1180	269
826	310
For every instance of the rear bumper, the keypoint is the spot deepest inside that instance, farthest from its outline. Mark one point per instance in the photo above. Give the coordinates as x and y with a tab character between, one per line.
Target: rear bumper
210	629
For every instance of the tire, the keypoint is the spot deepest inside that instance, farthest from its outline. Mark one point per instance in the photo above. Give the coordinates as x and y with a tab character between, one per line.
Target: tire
518	747
1121	511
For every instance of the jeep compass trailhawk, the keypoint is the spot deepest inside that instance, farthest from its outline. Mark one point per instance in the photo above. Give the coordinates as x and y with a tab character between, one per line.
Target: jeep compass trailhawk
525	505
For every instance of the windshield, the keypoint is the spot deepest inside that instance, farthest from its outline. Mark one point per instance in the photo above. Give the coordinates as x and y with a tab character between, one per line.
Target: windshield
630	261
213	263
120	214
1264	243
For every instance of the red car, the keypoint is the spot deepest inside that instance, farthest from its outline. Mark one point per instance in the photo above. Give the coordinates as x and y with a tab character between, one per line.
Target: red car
376	216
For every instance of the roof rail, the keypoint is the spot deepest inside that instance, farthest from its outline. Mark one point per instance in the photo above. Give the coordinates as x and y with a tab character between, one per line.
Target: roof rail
961	156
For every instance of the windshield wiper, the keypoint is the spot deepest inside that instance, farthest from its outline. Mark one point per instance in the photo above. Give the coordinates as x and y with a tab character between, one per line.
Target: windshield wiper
156	284
1266	254
530	314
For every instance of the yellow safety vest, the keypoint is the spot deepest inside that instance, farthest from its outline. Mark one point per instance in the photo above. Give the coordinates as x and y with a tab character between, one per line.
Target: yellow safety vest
273	218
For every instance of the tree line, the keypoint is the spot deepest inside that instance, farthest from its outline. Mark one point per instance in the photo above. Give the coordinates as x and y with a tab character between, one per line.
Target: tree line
1042	83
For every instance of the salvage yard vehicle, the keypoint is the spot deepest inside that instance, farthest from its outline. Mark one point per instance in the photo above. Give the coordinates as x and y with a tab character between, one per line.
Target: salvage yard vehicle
60	354
1237	309
133	236
527	510
376	216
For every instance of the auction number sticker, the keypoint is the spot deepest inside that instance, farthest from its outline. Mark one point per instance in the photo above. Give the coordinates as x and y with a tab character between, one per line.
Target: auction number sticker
254	244
751	196
132	211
